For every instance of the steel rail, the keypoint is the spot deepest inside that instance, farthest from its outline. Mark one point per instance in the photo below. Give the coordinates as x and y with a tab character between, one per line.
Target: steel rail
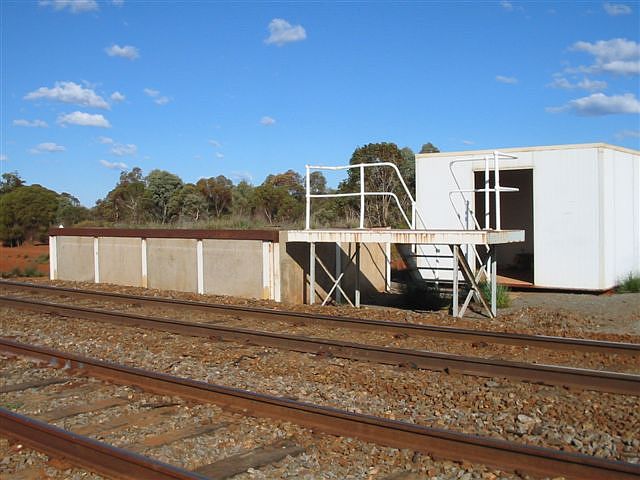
86	452
546	374
381	326
438	443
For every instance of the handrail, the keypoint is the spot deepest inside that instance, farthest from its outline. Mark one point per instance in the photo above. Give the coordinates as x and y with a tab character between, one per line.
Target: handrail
362	193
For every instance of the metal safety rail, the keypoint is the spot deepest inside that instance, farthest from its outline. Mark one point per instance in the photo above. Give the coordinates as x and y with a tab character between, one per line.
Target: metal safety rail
437	442
416	220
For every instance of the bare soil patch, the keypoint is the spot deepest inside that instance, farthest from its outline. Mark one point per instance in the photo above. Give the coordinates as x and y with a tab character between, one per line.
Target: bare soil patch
25	256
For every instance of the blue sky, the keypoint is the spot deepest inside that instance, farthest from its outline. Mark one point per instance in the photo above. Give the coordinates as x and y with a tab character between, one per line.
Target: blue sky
246	89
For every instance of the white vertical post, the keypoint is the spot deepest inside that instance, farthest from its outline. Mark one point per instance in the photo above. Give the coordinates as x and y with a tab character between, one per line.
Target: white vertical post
387	273
496	166
96	261
361	196
487	197
494	281
307	224
200	266
338	271
456	252
312	273
143	257
267	289
357	294
276	271
53	258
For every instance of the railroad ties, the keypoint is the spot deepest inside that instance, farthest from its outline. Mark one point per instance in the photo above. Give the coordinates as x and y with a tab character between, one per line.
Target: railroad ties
131	462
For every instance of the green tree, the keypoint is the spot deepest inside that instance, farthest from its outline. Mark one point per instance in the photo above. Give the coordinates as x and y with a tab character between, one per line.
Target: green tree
242	198
218	192
429	148
26	213
318	183
188	203
379	210
127	202
280	197
10	181
161	186
70	211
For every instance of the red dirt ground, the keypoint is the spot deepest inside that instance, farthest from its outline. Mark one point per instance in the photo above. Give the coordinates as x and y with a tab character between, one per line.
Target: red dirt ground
23	257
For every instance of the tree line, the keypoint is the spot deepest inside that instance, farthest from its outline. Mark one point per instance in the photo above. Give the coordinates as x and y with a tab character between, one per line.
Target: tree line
163	198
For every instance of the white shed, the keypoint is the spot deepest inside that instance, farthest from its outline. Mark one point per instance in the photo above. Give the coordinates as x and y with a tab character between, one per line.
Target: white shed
578	204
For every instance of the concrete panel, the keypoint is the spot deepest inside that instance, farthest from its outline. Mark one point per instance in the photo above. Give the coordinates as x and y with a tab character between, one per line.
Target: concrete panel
75	258
233	267
120	261
171	264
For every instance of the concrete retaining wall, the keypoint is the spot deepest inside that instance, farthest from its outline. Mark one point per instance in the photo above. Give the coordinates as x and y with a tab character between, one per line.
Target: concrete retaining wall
256	265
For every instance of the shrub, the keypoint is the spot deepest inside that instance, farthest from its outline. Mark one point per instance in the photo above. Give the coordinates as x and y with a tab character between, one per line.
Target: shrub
503	299
629	284
32	271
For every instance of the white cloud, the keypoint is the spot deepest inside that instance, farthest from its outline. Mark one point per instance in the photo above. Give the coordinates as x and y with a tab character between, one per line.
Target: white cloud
282	32
509	80
30	123
267	121
155	94
239	176
47	147
599	104
585	84
117	97
114	165
617	9
126	51
468	142
118	3
122	150
219	155
215	143
105	140
84	119
508	6
69	92
4	158
74	6
628	134
618	56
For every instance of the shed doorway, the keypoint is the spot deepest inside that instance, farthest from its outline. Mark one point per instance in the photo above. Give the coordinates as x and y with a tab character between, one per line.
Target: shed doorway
515	260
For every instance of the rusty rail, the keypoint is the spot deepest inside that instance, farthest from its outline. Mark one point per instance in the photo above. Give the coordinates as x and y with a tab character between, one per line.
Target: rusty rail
86	452
547	374
439	443
470	335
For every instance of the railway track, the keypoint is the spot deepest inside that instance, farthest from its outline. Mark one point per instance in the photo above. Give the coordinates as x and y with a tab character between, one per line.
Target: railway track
546	374
435	442
394	328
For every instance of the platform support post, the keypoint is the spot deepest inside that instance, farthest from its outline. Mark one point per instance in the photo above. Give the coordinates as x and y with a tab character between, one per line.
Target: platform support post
338	271
312	273
455	305
357	294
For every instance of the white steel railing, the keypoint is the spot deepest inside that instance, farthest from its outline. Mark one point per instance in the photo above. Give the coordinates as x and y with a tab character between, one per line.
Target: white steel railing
415	214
